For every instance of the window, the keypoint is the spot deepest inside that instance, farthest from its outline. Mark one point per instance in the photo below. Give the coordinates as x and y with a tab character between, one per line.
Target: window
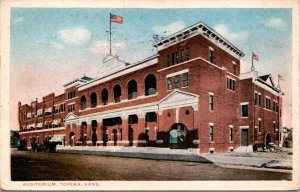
268	103
274	106
168	60
210	55
259	100
181	55
259	125
177	57
211	102
117	93
71	108
177	81
93	99
274	127
185	79
244	110
255	98
231	84
71	94
230	134
150	85
186	54
277	107
104	96
211	133
169	83
172	59
132	89
83	103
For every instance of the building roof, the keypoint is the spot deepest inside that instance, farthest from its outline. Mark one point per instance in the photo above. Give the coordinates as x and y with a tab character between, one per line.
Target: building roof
78	81
204	30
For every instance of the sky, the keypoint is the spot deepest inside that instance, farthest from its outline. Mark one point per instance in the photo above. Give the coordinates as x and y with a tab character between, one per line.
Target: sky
52	46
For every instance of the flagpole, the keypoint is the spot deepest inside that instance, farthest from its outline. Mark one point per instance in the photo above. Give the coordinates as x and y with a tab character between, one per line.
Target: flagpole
252	67
110	33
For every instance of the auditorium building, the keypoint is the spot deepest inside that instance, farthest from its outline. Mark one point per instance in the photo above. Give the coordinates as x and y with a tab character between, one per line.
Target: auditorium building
190	94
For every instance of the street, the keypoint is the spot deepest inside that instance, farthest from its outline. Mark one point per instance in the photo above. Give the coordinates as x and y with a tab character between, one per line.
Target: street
32	166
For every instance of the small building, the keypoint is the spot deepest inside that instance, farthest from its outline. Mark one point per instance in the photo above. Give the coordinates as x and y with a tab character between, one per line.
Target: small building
189	95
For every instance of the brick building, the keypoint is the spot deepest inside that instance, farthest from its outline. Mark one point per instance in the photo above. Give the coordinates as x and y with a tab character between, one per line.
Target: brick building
189	95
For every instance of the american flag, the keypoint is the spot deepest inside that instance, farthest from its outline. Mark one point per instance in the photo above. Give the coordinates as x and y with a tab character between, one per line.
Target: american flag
255	57
116	19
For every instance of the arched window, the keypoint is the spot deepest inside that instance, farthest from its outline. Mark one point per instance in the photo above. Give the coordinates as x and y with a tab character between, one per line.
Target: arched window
104	96
83	103
132	89
117	93
150	84
93	99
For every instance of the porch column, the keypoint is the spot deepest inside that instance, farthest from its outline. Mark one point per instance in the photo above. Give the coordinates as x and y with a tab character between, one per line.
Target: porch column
141	130
125	141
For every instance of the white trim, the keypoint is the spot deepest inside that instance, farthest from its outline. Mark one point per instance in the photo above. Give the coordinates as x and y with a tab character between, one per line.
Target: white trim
267	88
244	127
233	62
210	93
259	119
210	48
177	73
232	78
274	121
159	141
43	130
237	77
244	103
211	124
196	141
230	126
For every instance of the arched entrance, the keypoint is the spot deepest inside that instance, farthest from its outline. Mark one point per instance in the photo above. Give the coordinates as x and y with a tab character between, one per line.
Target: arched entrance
72	138
178	136
267	139
94	133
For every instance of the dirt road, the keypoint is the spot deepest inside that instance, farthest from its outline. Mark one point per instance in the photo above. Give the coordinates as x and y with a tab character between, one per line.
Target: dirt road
30	166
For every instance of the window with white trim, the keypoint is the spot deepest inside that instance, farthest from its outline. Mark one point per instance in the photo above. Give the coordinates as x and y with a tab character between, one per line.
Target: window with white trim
268	103
169	83
177	81
211	102
255	98
211	133
185	79
230	134
274	127
244	109
230	84
259	125
210	55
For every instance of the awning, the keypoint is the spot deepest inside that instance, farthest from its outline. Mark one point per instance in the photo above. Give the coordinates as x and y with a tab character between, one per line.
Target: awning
28	115
39	112
49	110
39	125
55	121
57	138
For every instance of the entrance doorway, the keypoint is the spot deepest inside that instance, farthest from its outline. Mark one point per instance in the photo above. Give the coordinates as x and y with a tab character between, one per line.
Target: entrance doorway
267	139
178	136
244	137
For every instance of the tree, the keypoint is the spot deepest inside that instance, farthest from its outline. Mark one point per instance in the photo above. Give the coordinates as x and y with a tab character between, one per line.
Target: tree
14	138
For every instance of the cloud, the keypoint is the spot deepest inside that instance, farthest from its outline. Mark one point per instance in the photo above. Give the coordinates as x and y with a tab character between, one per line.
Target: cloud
231	36
75	35
56	45
274	22
101	46
169	29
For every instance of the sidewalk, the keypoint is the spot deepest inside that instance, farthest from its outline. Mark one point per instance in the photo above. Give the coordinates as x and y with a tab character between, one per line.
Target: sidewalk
190	155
